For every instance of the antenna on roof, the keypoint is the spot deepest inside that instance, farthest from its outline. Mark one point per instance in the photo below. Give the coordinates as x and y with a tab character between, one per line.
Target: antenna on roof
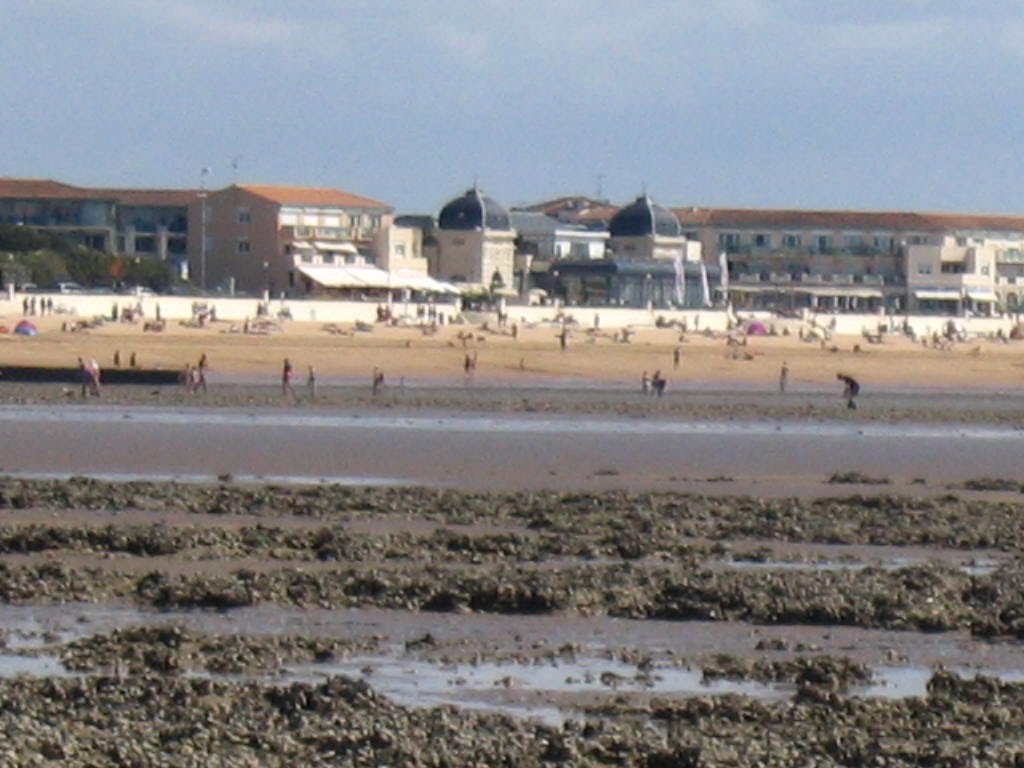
600	186
234	168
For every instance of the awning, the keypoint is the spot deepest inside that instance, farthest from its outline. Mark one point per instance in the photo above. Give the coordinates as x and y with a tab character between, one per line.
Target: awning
417	281
337	276
324	245
986	296
938	295
840	291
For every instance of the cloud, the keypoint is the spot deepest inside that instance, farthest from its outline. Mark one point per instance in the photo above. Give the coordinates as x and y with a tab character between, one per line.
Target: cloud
221	22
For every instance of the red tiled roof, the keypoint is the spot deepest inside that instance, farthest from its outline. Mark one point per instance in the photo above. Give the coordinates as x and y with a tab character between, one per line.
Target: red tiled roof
838	220
156	197
43	188
311	196
55	190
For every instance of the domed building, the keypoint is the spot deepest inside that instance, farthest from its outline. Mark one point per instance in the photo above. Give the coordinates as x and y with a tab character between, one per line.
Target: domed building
473	242
645	230
650	264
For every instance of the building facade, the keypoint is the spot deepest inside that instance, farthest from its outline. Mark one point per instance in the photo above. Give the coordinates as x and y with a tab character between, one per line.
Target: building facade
135	223
258	238
473	242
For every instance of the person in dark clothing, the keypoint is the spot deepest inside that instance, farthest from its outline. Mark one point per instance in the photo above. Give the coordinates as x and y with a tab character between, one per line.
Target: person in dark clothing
851	388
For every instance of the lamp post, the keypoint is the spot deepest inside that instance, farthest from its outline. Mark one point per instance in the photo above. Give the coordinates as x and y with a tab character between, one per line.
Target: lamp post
202	227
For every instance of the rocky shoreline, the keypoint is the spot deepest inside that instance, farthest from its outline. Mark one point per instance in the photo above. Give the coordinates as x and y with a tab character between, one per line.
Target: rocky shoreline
164	694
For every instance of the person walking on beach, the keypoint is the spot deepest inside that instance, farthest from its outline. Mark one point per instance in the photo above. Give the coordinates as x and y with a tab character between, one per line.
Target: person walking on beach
783	377
378	379
675	359
287	373
851	388
83	376
645	384
311	383
658	384
93	369
201	373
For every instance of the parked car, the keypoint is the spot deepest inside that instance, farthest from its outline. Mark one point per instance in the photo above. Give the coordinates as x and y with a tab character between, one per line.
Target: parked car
69	287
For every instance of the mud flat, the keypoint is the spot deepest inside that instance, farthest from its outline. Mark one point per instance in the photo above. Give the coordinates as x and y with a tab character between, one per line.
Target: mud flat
163	623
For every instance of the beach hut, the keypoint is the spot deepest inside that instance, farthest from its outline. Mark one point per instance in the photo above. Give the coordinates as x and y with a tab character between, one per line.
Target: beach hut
25	328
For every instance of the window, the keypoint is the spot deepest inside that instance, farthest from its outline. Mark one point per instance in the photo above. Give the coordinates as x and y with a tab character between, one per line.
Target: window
400	249
243	245
953	268
984	270
824	243
729	240
924	269
145	244
882	242
762	241
791	241
244	216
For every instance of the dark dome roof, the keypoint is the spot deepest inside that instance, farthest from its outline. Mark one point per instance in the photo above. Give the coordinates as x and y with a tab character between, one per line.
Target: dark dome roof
474	210
644	217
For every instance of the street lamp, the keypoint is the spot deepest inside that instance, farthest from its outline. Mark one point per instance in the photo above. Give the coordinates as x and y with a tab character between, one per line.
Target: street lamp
202	227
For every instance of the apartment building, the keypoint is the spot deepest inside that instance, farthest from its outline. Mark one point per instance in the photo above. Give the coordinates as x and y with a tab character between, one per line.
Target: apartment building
266	238
863	261
143	223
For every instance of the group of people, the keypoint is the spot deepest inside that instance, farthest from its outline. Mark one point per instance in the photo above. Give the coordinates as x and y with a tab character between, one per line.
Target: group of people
195	375
30	307
851	387
288	376
653	385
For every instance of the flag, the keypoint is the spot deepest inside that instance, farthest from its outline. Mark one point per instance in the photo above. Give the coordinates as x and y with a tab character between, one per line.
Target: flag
680	282
723	265
705	289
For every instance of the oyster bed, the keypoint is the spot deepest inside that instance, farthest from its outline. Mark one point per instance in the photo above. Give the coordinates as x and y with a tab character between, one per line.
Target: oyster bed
232	624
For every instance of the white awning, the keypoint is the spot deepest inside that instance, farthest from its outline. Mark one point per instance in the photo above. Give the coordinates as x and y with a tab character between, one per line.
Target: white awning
938	295
338	276
840	291
301	245
417	281
334	247
979	295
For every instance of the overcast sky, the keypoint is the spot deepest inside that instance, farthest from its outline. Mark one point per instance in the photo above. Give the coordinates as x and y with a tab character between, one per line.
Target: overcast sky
862	104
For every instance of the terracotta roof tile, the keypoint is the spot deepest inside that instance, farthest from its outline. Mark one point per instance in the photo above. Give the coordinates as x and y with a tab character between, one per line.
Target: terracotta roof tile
311	196
742	218
55	190
42	188
156	197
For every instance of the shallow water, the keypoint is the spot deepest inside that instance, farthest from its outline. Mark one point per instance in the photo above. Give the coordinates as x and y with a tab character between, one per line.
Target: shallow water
551	686
979	567
487	452
524	423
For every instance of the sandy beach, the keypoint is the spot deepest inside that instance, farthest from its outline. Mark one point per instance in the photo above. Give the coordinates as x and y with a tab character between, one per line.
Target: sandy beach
533	357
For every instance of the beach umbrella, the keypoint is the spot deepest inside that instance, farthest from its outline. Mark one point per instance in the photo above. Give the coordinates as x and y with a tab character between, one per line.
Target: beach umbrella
756	328
25	328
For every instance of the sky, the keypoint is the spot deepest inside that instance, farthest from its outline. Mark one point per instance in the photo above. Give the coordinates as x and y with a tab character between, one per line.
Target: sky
911	105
